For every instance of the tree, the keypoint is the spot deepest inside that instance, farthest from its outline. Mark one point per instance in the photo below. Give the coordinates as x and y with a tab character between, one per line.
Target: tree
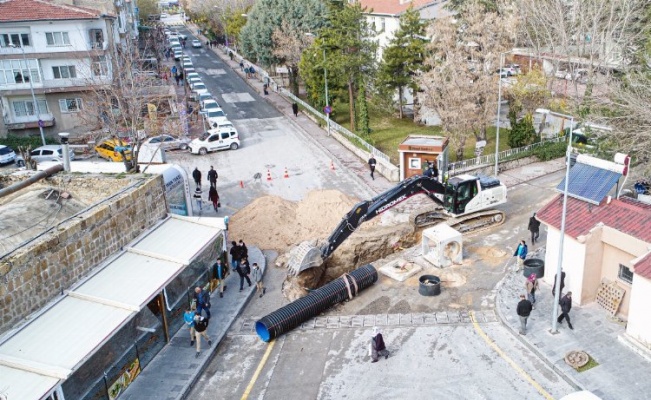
363	117
288	48
403	58
147	8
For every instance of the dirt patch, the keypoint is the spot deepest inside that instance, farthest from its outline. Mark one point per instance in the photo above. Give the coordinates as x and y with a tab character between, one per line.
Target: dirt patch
490	255
450	279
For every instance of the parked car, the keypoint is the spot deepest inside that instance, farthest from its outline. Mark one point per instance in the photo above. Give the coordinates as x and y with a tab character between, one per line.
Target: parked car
196	44
215	139
7	155
108	150
187	64
193	80
203	97
210	105
215	116
168	142
183	36
50	152
188	70
199	88
192	75
177	55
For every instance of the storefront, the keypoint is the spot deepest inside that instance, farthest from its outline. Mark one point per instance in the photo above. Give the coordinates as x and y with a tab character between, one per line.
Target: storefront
417	150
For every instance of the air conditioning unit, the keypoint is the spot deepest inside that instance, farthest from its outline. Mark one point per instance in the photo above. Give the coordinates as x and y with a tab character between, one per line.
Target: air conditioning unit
442	245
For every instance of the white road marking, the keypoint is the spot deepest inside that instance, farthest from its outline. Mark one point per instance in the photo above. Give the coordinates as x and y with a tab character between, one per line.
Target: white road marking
237	97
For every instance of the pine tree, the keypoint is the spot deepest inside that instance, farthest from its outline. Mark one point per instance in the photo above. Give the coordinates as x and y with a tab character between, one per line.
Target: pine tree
363	116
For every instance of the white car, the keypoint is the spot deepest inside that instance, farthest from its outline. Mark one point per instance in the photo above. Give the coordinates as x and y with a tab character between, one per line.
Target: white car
50	152
187	64
210	105
215	139
196	44
204	97
178	54
199	88
183	36
215	116
164	15
7	155
189	70
192	75
194	80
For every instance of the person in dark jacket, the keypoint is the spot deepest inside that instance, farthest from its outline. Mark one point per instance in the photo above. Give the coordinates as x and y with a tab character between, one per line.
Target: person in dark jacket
562	283
196	175
219	274
212	176
244	270
566	306
213	196
524	310
378	348
235	255
371	164
244	251
203	301
295	109
534	228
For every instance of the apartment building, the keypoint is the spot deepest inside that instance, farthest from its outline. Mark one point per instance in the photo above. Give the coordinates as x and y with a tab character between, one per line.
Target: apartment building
54	53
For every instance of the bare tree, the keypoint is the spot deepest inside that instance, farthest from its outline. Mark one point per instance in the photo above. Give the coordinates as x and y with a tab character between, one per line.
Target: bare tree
288	48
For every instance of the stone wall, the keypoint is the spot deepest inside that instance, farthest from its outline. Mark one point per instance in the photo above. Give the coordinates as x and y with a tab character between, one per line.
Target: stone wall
38	272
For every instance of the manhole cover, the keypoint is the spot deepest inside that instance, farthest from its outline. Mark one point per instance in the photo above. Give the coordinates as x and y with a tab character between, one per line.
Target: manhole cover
577	359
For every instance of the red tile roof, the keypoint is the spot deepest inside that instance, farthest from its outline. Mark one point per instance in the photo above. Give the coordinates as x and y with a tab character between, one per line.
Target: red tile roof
42	10
627	215
643	266
394	7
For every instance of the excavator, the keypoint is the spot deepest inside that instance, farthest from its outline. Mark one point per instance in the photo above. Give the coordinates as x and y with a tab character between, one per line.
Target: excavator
463	202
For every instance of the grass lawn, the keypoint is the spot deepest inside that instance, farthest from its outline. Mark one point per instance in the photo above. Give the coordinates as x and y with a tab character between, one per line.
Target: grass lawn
387	132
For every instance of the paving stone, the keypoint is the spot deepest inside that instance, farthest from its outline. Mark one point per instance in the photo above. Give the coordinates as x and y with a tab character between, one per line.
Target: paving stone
357	321
417	319
442	317
381	319
320	322
430	319
405	319
454	317
345	321
369	320
393	319
333	322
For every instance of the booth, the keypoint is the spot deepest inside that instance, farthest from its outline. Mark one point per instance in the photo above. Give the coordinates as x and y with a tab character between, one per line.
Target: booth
417	150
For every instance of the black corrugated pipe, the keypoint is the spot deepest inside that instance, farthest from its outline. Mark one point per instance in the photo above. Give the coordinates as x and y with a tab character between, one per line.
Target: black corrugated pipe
295	313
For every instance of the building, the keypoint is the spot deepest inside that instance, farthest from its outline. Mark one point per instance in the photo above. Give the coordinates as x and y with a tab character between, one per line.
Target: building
54	53
125	11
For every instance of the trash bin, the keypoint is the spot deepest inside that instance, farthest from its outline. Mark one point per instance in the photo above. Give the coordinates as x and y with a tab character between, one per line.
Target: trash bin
429	285
534	266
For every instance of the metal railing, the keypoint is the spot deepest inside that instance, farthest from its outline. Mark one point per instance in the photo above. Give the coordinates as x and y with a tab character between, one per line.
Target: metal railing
489	159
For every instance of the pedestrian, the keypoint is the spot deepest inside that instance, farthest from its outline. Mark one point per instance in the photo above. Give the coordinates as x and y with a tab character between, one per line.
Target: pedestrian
213	196
562	283
176	78
188	318
435	171
252	71
197	197
244	251
200	327
534	228
242	65
566	306
378	348
521	253
531	285
256	274
202	299
196	175
265	89
212	176
174	70
244	270
230	54
371	164
181	76
524	310
208	43
219	273
235	255
295	109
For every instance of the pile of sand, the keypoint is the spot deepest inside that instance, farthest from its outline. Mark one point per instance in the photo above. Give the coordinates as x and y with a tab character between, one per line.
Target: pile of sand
271	222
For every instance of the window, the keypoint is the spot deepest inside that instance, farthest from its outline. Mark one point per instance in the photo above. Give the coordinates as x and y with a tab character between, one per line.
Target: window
16	71
625	274
99	66
213	138
414	163
225	135
70	105
57	38
14	39
382	24
24	108
64	72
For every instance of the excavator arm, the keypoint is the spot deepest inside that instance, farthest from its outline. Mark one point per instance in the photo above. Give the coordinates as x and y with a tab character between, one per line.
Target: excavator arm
369	209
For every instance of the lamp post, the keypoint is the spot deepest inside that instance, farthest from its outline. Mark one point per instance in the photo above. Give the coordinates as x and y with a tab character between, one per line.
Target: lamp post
559	269
31	88
325	80
499	109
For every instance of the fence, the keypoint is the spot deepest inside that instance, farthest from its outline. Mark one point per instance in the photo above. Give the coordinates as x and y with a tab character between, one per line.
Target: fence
489	159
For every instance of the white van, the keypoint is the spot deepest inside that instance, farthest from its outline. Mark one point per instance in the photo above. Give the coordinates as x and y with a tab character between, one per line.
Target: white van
216	139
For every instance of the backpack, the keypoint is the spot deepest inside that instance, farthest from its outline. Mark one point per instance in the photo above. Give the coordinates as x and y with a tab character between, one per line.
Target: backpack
201	324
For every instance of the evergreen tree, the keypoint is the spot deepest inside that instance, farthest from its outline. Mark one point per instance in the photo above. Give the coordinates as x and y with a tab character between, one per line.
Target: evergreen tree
363	116
403	57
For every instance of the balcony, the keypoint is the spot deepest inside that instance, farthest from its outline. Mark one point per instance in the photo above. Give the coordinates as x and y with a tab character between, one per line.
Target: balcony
97	45
29	121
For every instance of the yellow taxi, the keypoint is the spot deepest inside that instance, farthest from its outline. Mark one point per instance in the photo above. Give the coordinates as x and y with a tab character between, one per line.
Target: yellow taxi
108	150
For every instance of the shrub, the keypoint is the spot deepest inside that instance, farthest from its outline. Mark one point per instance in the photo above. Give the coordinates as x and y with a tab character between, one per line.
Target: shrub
550	151
33	141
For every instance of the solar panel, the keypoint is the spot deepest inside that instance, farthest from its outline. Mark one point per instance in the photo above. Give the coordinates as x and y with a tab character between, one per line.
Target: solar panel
589	183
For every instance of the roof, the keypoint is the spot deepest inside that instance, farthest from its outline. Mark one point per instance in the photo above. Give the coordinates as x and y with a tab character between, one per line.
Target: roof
395	7
642	265
43	10
625	214
30	366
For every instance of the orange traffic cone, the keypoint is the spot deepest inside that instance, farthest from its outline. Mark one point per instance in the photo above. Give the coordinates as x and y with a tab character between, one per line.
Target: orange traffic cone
332	165
242	184
286	173
268	175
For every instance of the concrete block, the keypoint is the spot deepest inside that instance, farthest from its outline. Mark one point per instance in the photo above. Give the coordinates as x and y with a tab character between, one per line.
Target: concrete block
442	246
400	269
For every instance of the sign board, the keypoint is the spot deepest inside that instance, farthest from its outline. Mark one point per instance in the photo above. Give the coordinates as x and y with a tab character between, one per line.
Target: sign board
41	123
282	70
327	109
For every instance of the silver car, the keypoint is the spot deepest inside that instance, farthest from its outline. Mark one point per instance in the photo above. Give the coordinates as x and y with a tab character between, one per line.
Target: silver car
168	142
7	155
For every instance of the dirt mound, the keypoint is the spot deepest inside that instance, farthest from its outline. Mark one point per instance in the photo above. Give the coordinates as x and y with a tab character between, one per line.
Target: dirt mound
271	222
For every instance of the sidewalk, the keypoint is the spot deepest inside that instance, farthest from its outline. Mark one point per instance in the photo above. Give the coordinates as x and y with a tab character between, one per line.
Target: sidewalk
621	373
173	371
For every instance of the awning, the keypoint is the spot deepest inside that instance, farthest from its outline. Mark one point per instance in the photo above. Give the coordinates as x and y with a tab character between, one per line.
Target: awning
52	346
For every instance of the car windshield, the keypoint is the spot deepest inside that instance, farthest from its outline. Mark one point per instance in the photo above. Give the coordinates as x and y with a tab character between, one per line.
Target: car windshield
216	114
211	105
5	150
199	86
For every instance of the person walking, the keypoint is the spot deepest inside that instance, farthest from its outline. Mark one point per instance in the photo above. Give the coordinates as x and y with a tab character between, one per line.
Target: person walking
256	274
534	228
521	253
295	109
235	255
200	327
435	172
213	196
197	198
244	269
371	164
378	347
242	66
532	285
176	78
562	283
212	176
244	251
188	319
202	299
196	175
524	310
219	273
181	76
566	306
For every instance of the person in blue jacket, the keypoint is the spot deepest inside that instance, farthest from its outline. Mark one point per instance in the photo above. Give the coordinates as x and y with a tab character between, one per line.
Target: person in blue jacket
521	253
188	318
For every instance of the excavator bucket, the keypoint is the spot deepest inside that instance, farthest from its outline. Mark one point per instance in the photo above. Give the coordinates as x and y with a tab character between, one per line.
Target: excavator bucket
304	256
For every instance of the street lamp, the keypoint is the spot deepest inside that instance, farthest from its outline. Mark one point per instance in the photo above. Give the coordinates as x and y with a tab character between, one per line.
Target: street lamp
499	109
325	79
557	294
31	88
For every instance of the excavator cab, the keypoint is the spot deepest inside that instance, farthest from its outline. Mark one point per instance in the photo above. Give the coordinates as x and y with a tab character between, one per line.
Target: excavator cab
459	192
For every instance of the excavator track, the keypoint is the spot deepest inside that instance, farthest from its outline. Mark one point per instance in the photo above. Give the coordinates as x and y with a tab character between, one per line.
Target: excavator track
474	222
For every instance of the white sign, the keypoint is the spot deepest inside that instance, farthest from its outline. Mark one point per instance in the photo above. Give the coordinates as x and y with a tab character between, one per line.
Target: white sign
282	70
